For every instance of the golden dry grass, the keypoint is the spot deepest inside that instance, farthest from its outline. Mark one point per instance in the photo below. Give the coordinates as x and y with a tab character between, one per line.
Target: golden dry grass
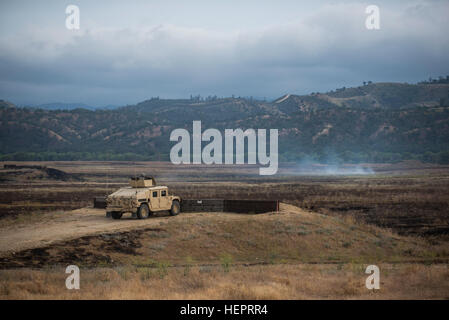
303	281
291	236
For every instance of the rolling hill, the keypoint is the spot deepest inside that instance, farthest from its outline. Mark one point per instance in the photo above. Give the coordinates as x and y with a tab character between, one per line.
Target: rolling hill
373	122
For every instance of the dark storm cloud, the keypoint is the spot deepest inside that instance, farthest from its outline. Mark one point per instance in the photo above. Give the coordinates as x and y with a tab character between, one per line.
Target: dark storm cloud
326	47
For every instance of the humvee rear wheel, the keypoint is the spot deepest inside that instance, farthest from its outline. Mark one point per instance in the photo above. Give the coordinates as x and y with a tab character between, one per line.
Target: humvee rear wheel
143	212
175	208
116	215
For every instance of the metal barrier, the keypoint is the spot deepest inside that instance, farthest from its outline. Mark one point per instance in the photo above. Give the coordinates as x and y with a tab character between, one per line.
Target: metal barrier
216	205
251	206
222	205
100	202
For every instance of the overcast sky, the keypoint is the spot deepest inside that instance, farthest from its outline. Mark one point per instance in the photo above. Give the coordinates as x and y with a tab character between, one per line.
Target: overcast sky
129	51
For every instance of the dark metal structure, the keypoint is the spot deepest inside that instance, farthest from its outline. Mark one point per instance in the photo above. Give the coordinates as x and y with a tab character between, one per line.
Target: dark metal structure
217	205
222	205
100	202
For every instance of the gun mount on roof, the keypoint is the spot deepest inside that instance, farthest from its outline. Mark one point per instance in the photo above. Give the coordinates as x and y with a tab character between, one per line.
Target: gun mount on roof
142	182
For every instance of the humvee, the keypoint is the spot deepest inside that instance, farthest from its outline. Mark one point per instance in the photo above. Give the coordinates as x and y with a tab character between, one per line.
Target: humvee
142	198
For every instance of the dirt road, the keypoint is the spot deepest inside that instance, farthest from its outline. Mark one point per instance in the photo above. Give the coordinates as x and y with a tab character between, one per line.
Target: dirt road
70	225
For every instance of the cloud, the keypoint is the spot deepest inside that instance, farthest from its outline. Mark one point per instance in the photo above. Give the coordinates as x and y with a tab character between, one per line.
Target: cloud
325	48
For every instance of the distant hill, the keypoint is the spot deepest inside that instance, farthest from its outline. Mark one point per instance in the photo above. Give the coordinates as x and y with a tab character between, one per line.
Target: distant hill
70	106
64	106
373	122
390	96
6	104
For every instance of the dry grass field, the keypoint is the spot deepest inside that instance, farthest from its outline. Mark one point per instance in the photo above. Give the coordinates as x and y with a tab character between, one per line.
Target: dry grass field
277	281
328	229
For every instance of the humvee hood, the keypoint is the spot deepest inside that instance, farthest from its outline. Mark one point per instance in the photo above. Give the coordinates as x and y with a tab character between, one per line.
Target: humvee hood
129	192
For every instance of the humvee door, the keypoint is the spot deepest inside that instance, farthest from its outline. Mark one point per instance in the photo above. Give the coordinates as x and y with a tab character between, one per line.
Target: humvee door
154	200
165	203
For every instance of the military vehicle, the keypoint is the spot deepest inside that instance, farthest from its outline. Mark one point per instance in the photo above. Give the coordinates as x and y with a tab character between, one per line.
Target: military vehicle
142	198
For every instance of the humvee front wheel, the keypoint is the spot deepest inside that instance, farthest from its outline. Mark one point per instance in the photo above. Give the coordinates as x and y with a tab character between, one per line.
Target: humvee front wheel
175	208
116	214
143	212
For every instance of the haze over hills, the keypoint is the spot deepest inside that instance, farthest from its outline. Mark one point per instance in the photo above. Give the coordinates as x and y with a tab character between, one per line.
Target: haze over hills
373	122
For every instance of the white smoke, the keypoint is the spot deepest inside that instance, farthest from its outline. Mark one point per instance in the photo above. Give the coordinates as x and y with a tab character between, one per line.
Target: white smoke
329	169
332	165
348	170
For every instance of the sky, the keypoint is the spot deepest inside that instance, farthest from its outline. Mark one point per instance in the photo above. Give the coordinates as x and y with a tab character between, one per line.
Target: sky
128	51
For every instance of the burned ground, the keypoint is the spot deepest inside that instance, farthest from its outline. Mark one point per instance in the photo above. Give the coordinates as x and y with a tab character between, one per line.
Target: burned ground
409	198
84	251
